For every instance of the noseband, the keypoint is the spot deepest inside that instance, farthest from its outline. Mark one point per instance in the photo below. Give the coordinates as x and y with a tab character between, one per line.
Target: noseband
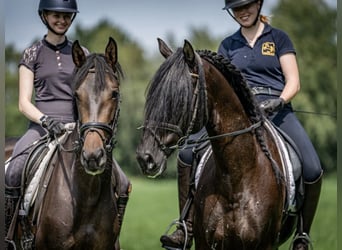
110	129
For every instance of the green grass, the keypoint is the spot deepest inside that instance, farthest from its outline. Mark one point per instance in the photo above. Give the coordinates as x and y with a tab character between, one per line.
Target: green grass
153	205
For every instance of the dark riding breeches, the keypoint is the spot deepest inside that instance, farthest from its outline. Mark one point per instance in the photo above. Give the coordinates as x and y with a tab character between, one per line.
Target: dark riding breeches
20	153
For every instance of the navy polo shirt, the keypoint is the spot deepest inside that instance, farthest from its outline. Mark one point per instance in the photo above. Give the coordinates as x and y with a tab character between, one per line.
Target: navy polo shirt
259	64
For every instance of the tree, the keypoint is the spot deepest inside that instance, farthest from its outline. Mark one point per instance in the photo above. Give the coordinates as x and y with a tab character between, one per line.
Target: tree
311	24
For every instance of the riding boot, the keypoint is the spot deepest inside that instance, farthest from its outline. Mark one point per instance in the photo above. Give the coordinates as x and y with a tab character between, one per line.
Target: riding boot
11	202
122	203
176	240
312	192
123	190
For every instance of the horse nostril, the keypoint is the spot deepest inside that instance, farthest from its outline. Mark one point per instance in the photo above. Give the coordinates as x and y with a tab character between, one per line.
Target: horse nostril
147	158
99	153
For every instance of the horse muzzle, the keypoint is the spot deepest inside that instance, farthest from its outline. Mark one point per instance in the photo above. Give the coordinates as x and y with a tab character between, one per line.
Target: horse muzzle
149	165
94	162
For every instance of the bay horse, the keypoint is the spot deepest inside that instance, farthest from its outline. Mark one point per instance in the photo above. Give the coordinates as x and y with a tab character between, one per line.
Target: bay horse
241	193
79	209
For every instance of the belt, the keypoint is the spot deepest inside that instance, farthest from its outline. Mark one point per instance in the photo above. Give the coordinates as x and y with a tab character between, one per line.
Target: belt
265	91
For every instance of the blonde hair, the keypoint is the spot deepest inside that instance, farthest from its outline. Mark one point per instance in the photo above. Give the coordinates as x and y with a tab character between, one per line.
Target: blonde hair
264	19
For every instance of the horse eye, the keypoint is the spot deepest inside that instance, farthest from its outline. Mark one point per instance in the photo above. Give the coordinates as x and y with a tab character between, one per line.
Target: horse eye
115	94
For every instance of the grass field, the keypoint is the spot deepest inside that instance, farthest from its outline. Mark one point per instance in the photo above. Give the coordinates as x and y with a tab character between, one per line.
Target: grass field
153	205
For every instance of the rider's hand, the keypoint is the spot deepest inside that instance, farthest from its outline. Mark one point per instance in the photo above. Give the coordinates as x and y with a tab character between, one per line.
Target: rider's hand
55	128
272	105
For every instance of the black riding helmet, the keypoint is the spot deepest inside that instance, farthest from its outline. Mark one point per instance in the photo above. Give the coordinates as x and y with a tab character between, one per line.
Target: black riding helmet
230	4
58	5
68	6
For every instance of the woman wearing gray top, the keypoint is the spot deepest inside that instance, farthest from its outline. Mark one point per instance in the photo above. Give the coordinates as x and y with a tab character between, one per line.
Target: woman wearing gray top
46	70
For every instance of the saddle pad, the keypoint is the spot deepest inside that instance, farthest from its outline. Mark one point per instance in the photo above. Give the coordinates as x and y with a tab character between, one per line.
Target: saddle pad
32	188
286	165
201	164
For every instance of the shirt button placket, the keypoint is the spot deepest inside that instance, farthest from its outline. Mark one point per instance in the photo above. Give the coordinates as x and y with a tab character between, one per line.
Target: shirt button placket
58	56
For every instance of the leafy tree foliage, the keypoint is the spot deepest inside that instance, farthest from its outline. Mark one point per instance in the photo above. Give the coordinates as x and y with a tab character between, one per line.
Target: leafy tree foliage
311	24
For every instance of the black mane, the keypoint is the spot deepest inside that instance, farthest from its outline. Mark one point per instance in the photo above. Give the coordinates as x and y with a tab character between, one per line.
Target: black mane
171	77
237	81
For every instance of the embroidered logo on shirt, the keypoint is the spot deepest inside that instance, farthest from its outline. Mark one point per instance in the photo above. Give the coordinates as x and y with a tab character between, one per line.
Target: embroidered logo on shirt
268	49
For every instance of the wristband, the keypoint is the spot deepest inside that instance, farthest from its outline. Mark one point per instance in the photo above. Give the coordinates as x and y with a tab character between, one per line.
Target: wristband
43	120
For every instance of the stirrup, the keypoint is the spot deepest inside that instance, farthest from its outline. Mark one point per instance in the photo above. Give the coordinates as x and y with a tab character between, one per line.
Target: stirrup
12	243
182	224
171	248
302	236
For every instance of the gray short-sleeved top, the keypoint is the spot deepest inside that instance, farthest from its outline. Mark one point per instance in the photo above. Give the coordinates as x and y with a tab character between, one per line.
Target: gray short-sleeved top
53	68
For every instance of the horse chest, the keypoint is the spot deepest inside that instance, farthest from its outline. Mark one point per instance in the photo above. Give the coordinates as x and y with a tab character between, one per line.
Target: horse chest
234	220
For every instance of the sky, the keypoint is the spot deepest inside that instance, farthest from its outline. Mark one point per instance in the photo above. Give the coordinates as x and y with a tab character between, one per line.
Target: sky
144	21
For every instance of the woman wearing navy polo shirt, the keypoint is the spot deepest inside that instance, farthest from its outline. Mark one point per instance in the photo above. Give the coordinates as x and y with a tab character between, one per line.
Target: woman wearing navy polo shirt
267	59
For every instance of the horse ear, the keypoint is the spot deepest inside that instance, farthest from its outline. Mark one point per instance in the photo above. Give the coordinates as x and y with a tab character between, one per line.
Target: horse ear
189	54
111	53
164	49
78	55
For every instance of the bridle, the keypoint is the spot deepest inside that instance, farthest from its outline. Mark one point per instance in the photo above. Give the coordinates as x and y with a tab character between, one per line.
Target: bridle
109	129
182	142
153	126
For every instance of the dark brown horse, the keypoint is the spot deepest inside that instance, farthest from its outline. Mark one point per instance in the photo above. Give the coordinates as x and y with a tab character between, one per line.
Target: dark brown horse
79	209
239	200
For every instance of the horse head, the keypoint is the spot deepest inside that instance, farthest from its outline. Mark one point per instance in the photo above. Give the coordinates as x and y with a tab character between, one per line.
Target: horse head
97	101
175	107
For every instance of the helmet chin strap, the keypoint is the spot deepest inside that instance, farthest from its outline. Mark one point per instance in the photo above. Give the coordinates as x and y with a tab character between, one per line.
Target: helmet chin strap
244	26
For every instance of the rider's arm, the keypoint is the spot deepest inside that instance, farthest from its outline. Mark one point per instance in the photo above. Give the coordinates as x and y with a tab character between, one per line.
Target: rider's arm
289	67
26	78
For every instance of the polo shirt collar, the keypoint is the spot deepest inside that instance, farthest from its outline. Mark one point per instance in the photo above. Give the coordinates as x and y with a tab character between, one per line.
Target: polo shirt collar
55	47
239	37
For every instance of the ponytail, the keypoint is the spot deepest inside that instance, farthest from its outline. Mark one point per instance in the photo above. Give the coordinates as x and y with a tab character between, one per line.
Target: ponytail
264	19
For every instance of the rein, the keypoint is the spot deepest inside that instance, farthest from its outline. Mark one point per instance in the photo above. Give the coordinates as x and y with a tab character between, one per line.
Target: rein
230	134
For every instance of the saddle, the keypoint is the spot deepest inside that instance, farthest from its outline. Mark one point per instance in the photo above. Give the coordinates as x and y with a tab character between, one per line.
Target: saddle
292	167
35	177
37	171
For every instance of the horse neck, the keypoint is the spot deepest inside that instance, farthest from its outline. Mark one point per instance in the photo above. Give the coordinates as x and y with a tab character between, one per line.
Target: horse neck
227	115
91	189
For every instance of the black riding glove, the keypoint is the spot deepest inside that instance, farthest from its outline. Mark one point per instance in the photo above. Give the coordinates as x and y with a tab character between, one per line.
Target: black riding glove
55	128
272	105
